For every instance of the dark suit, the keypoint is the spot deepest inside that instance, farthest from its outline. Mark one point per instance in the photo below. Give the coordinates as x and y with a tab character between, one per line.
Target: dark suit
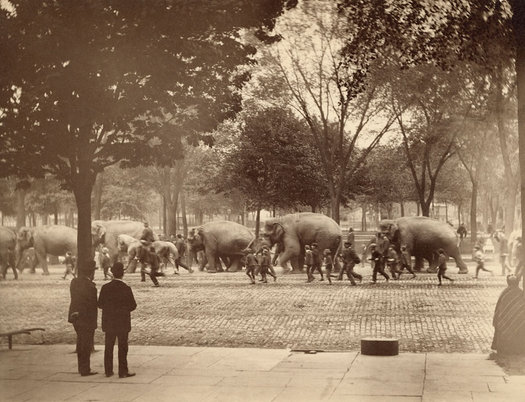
116	301
84	302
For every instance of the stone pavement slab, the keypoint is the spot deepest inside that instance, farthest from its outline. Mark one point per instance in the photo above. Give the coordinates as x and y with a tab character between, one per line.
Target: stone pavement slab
268	375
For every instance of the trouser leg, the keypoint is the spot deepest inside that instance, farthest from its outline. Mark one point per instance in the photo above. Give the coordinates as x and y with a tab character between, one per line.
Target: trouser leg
108	352
84	345
123	353
153	278
342	270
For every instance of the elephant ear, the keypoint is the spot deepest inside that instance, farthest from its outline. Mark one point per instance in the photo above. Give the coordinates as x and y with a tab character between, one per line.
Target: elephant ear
25	234
278	230
393	230
98	231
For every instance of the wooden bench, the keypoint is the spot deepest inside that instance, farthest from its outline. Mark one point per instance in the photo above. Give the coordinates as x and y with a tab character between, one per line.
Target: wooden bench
21	331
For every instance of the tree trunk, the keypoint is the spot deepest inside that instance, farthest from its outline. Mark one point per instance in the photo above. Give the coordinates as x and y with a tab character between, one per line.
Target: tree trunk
425	209
402	208
363	218
82	191
45	219
473	214
20	207
183	211
518	21
510	208
164	217
97	195
171	216
335	203
257	222
418	208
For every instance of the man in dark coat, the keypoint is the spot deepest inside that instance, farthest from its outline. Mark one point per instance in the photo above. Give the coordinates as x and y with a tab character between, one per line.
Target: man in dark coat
509	320
147	234
117	302
83	314
350	258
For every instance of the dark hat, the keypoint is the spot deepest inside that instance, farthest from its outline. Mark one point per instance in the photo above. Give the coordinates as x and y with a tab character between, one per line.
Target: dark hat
347	243
117	269
477	247
315	245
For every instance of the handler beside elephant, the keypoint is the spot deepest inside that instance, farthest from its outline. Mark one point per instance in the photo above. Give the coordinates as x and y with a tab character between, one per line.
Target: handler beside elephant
220	239
422	237
7	251
107	232
294	231
56	240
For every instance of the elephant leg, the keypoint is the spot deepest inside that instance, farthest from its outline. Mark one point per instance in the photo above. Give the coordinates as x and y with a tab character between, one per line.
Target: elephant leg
42	260
295	264
235	264
212	261
288	255
419	264
203	262
463	269
218	264
432	264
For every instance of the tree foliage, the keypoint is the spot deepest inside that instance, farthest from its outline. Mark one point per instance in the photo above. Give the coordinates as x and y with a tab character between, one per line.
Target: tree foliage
87	84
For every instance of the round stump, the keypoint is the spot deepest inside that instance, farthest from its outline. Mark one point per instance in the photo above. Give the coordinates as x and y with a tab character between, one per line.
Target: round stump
379	346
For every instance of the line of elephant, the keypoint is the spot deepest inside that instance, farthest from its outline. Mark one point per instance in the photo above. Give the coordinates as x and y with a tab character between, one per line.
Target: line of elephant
228	241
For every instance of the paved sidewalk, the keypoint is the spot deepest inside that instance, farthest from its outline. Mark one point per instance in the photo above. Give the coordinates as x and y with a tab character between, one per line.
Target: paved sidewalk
168	373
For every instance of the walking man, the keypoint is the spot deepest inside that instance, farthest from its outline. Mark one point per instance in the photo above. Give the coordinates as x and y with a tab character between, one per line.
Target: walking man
480	260
83	314
317	260
328	264
503	251
117	302
378	260
350	258
309	262
405	261
442	266
69	261
266	265
251	265
105	261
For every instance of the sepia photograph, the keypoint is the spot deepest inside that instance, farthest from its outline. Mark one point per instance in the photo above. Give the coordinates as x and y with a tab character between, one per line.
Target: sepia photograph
262	200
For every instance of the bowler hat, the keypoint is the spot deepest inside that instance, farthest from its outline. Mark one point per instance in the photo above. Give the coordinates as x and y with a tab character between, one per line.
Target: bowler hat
117	269
88	266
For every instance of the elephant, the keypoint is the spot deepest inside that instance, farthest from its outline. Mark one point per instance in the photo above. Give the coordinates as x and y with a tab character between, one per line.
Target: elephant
106	233
50	239
220	240
293	231
423	237
7	251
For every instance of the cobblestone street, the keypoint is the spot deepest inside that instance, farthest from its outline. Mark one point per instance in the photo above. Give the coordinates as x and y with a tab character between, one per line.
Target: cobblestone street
225	310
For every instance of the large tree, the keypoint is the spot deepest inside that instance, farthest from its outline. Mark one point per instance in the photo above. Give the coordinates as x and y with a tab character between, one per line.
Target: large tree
272	163
86	84
326	93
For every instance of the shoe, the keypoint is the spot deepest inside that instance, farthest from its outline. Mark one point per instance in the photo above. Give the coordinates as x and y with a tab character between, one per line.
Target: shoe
90	373
156	286
310	280
126	375
413	276
275	279
322	279
439	284
109	374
